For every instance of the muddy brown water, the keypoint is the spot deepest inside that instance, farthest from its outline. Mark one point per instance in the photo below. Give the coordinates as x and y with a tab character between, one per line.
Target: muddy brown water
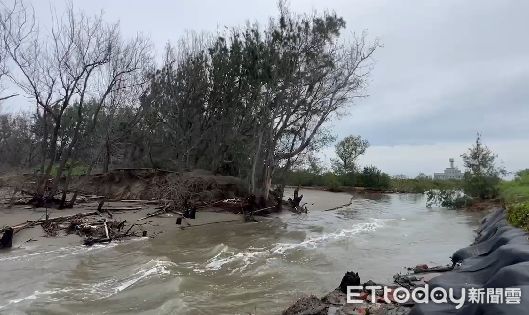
235	268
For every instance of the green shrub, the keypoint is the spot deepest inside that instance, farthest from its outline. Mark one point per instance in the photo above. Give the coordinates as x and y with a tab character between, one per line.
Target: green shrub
372	177
348	179
483	175
517	190
447	198
515	194
422	185
331	182
480	186
518	214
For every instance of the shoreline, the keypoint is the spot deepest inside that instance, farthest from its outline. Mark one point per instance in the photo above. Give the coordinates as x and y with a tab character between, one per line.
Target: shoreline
152	226
500	250
352	189
140	213
476	206
140	216
316	201
122	204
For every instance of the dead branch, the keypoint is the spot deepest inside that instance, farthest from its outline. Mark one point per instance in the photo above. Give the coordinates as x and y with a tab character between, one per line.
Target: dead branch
21	226
214	222
121	209
153	214
342	206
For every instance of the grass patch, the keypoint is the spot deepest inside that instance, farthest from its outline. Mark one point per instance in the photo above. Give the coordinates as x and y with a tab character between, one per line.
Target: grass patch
515	194
75	169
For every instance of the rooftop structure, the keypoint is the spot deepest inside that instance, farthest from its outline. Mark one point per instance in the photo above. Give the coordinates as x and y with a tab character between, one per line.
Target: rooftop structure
451	172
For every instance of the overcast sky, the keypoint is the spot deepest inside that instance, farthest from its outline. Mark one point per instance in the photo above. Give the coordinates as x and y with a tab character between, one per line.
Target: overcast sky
447	69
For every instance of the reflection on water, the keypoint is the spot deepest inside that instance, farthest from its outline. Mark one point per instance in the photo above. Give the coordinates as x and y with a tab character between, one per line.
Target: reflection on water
375	197
235	267
411	197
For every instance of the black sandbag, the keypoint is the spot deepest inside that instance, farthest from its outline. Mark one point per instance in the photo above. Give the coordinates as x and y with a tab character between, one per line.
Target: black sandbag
505	255
501	237
491	219
499	258
500	227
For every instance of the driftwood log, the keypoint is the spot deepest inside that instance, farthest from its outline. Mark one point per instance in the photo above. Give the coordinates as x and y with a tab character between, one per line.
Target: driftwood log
19	227
341	206
120	209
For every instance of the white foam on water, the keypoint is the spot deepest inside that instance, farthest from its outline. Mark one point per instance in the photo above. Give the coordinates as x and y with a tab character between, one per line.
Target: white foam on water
152	268
59	253
104	289
228	257
218	248
313	242
112	286
36	295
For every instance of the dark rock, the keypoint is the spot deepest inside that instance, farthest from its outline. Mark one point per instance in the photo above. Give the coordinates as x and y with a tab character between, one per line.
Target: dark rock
307	305
348	309
336	297
349	279
190	213
7	238
369	283
388	309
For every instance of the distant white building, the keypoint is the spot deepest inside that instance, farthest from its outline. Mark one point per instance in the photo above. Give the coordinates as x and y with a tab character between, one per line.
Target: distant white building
449	173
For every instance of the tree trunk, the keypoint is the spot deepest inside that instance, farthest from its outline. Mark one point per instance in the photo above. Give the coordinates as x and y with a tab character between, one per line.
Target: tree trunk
267	176
255	161
267	182
106	161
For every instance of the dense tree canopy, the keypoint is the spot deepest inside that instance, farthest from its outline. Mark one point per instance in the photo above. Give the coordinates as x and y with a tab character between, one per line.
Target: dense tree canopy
246	103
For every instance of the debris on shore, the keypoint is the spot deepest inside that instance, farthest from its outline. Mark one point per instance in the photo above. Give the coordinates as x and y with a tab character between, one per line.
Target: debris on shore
500	251
335	302
149	192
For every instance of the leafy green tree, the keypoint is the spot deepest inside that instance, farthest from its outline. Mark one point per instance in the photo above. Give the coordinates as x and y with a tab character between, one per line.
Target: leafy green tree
348	150
483	174
250	102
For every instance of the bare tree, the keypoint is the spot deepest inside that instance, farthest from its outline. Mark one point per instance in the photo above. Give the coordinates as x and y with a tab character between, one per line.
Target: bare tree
81	59
246	103
7	13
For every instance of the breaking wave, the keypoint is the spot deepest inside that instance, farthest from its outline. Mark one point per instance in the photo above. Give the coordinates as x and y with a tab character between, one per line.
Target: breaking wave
313	242
225	257
103	289
239	261
58	253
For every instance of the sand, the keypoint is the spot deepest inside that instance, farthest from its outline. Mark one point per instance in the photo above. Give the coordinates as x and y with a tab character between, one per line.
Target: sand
154	225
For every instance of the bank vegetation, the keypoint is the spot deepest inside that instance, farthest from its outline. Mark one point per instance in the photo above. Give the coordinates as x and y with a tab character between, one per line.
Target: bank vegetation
246	102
